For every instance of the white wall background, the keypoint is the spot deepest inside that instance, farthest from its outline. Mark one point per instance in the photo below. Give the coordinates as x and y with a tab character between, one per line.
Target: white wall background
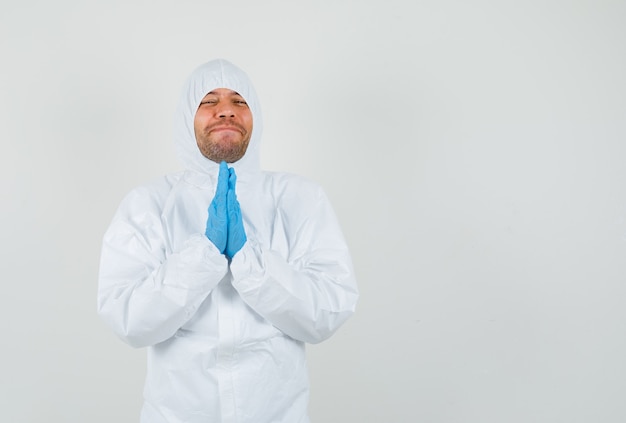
474	151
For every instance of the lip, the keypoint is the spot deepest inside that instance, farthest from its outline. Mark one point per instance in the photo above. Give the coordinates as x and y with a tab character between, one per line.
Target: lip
225	128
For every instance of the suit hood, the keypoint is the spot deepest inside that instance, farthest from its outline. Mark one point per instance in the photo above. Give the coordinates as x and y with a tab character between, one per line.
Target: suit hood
214	74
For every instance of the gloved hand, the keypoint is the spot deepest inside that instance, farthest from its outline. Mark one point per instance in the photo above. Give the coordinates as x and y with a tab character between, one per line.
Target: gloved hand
217	222
236	232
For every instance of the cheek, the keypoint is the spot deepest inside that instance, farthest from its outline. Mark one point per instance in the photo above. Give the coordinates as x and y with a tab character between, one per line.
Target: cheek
248	123
198	122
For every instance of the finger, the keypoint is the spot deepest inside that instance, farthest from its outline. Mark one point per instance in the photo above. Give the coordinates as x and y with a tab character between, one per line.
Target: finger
232	179
222	180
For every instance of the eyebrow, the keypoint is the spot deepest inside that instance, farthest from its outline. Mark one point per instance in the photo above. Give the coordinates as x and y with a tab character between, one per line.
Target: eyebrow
232	92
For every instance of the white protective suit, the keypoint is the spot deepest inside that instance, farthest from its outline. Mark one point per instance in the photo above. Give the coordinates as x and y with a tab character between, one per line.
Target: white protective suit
226	341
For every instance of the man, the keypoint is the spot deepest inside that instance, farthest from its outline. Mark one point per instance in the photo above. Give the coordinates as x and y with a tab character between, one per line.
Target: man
224	271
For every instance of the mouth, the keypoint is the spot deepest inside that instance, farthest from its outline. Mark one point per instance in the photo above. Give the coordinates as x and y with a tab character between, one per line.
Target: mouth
221	128
225	128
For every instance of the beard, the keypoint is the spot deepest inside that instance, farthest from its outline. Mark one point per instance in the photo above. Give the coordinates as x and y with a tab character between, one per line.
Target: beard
223	146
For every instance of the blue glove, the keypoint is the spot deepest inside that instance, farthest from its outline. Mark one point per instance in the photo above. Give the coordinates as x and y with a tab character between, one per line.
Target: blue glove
236	233
217	222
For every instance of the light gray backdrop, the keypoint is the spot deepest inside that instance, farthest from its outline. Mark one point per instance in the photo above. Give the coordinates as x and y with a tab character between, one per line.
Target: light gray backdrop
474	152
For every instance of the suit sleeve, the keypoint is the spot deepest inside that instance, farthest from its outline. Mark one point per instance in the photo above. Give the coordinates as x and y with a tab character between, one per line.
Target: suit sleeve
146	293
312	291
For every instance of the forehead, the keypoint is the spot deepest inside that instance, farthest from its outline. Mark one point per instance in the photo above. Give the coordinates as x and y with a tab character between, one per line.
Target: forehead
223	92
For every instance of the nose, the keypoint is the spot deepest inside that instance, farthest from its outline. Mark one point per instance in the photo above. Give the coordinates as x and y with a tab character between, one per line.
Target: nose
225	110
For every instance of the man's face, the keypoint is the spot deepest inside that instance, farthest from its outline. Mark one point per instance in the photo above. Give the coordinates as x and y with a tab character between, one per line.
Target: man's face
223	126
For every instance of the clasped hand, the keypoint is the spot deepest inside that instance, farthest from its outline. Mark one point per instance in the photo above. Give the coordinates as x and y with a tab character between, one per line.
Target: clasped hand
224	226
